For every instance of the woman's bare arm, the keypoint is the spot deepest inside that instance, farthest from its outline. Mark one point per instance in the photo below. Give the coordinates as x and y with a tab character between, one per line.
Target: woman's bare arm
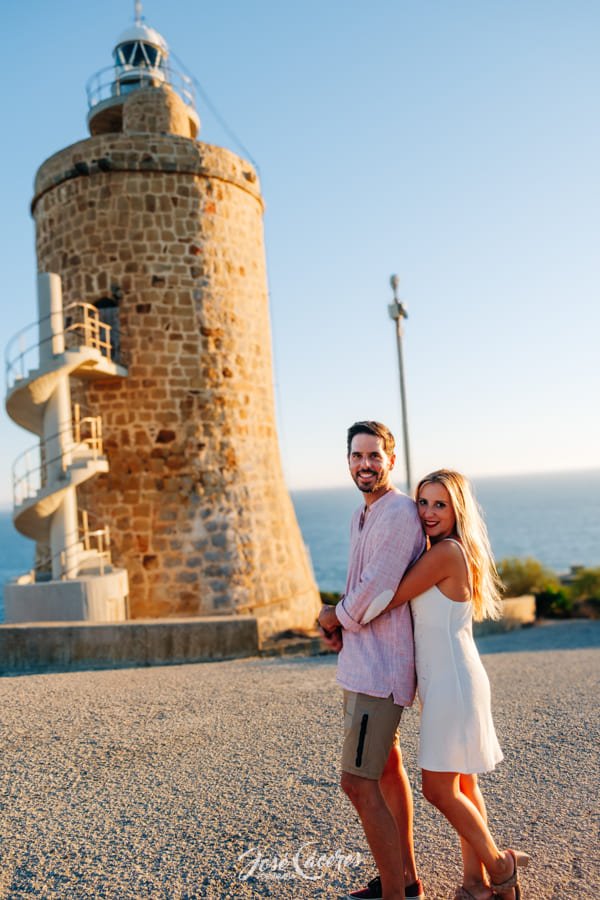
435	565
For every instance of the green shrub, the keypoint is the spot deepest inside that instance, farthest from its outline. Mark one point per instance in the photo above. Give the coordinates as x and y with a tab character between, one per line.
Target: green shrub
330	598
588	609
586	585
525	576
554	603
585	591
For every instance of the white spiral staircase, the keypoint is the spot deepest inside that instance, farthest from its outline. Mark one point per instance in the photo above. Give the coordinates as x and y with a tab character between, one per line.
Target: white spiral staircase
73	578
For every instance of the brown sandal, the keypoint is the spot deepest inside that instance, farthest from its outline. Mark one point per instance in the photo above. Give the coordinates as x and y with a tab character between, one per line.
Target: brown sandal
519	859
463	894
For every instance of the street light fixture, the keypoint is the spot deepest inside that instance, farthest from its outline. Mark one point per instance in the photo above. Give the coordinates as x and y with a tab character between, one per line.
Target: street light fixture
398	312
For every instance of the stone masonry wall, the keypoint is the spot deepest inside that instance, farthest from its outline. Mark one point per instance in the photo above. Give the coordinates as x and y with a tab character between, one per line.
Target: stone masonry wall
156	111
171	230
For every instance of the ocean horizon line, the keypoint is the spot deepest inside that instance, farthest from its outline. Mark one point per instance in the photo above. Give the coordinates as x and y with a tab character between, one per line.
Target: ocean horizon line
7	507
505	476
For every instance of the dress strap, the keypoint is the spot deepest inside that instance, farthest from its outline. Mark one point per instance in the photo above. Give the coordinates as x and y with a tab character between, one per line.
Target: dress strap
464	553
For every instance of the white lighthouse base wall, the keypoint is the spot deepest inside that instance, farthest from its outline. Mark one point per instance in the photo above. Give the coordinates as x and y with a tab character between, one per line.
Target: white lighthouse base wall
92	598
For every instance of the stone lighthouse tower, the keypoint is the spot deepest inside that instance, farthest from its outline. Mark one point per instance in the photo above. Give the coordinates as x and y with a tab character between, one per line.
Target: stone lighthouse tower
163	236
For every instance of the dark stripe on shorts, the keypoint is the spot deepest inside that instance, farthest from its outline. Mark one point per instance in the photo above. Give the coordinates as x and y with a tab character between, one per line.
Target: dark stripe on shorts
361	740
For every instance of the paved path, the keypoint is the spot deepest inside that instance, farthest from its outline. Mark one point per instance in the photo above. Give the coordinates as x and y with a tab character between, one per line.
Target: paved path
153	782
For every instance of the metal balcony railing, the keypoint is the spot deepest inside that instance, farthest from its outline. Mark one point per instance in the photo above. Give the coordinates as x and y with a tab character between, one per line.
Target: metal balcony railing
110	83
83	326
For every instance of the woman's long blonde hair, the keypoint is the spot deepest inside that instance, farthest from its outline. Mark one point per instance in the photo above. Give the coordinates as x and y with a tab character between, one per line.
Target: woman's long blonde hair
485	582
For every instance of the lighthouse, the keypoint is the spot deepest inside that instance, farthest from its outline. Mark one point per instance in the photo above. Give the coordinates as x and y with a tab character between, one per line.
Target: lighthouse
156	239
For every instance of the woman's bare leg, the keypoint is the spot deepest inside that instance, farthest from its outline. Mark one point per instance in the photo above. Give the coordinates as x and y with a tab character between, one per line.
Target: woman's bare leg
442	789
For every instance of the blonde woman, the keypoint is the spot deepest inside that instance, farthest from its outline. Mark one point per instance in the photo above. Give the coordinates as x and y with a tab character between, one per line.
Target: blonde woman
449	586
455	582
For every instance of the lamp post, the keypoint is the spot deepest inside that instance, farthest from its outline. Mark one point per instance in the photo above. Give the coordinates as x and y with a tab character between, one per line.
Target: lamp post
398	312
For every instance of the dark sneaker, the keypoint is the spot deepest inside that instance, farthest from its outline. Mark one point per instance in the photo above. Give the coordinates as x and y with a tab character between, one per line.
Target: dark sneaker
373	891
414	891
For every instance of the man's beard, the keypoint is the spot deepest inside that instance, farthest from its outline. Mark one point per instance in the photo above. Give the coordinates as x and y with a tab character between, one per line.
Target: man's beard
376	485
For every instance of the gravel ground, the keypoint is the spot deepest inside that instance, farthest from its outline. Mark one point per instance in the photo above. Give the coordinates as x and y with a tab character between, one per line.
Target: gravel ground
138	783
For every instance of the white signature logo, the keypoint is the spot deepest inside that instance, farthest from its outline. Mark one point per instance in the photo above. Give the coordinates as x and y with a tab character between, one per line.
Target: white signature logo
306	863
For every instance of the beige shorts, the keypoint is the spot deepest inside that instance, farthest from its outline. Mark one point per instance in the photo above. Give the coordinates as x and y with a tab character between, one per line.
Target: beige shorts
370	730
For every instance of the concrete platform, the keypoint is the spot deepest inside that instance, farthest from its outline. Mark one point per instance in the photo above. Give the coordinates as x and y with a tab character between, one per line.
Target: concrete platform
69	646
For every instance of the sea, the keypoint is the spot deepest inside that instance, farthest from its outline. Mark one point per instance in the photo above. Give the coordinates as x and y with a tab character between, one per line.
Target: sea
554	518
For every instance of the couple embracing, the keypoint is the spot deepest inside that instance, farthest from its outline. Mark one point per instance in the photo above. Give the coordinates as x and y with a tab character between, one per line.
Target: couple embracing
372	627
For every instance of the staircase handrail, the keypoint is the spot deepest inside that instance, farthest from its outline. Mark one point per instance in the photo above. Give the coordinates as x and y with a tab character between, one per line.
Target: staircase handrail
91	332
10	361
94	442
84	537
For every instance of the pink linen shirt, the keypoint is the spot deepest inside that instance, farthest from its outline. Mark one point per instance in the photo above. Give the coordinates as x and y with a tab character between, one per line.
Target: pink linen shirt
378	658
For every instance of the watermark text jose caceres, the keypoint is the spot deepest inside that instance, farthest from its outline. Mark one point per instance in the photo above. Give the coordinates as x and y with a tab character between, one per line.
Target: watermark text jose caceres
306	862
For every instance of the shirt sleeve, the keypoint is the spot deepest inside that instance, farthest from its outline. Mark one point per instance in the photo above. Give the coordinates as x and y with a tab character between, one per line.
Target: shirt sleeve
399	540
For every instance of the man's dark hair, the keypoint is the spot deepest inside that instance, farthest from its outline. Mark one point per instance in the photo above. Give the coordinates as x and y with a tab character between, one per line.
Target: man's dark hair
377	429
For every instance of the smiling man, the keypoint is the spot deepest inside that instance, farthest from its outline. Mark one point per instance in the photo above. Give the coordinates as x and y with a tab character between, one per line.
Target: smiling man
376	662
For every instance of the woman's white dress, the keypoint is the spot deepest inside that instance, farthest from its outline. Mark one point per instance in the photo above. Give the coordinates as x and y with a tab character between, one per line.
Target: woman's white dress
457	731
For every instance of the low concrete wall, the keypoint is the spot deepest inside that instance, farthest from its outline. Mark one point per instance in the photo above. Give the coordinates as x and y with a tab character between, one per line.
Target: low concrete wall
65	646
518	611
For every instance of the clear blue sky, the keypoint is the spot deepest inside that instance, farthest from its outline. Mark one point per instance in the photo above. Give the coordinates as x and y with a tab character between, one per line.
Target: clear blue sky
455	143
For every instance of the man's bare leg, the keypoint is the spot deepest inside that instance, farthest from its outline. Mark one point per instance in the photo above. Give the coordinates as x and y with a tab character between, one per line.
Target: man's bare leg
380	830
397	793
